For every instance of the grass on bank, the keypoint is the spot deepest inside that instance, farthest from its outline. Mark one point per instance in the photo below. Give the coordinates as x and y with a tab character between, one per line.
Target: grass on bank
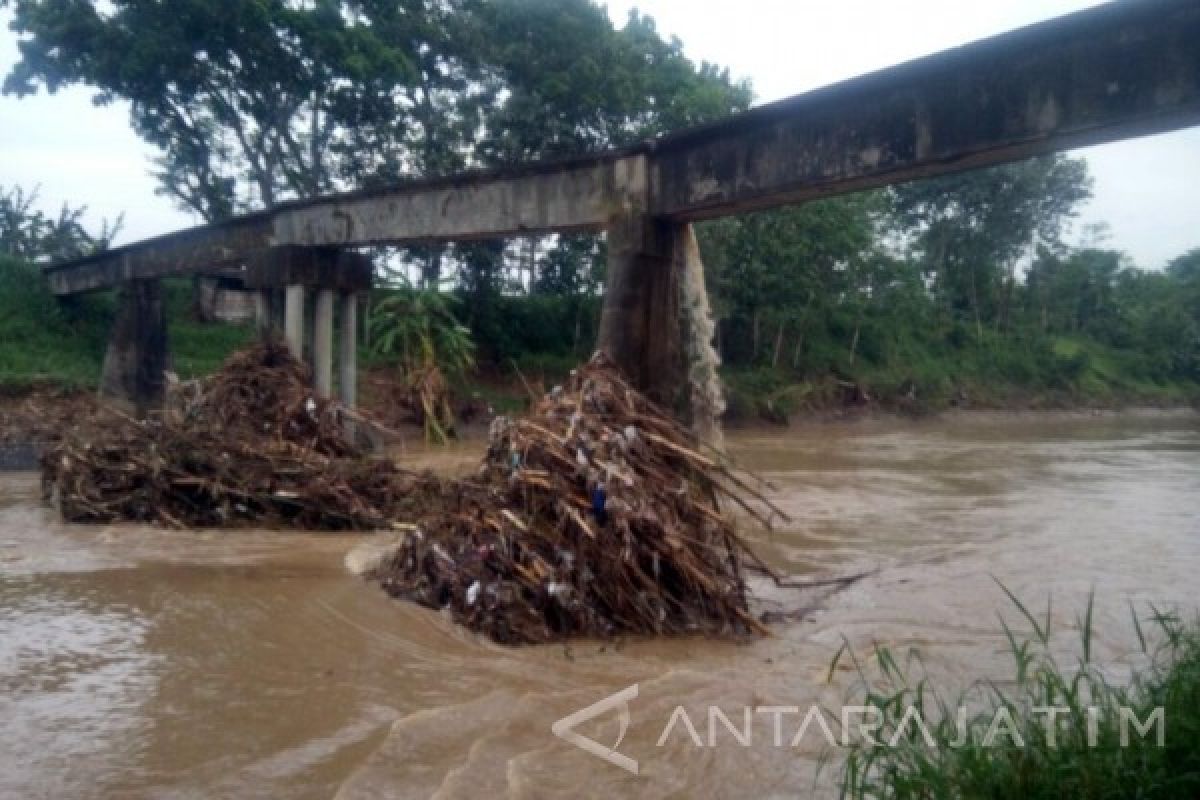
1080	759
44	340
919	376
48	341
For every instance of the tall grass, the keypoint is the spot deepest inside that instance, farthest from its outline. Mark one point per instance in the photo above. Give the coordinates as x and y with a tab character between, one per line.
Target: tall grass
1090	753
46	340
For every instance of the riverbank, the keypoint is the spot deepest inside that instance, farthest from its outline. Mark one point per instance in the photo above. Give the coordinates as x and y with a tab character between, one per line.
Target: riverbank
49	345
30	414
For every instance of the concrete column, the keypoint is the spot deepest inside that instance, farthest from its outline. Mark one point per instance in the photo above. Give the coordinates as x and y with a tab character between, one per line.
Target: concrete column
137	358
348	357
323	343
262	309
639	322
293	319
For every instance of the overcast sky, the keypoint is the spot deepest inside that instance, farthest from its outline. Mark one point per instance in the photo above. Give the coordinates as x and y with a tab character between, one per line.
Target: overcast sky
1146	189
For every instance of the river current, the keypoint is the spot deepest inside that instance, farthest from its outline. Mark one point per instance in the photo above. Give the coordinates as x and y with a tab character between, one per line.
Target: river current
137	662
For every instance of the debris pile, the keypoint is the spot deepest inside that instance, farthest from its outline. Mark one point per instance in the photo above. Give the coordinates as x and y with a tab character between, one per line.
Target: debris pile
250	445
598	515
38	415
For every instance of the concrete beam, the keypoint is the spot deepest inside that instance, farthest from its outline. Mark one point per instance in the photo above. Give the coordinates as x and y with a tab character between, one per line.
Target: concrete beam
202	249
570	195
1120	70
328	267
576	194
1115	71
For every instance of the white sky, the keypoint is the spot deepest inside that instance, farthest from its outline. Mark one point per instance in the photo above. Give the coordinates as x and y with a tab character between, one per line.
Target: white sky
1145	188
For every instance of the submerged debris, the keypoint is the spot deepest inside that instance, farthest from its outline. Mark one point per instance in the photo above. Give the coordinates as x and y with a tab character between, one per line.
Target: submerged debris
250	445
597	516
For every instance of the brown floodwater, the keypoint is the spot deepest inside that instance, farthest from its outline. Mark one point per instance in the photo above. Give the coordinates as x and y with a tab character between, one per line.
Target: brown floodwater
137	662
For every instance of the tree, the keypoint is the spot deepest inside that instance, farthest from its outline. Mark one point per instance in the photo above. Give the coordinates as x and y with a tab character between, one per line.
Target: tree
1185	272
970	229
778	273
252	103
29	235
1076	293
573	83
576	84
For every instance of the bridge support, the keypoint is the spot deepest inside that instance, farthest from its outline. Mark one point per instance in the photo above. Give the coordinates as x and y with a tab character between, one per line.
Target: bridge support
133	377
323	343
335	278
639	323
262	310
656	323
348	357
293	319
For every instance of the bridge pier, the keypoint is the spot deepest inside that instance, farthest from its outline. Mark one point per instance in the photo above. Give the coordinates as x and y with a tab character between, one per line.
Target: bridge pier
348	357
262	310
293	319
656	323
133	377
639	322
335	278
323	343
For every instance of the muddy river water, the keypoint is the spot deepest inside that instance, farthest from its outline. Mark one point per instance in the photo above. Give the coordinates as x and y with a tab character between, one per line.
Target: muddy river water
143	663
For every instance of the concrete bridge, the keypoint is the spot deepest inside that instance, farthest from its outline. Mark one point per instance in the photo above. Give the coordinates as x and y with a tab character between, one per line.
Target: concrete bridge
1121	70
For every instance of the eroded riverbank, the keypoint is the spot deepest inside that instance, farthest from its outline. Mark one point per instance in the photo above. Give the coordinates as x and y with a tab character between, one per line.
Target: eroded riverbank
251	664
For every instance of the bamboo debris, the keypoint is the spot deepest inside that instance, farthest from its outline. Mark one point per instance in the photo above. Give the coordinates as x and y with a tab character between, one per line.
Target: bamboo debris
249	446
598	516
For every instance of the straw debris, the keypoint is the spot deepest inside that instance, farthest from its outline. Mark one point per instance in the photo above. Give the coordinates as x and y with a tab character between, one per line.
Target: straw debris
598	515
249	446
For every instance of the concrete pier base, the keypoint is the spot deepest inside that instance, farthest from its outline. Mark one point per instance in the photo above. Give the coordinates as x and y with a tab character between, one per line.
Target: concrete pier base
133	377
639	323
323	343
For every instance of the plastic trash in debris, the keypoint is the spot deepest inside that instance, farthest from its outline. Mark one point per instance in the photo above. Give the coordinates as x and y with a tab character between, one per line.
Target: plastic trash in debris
621	539
599	501
252	447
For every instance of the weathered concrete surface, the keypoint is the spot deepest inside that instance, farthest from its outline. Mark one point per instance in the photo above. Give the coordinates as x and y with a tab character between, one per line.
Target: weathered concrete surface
293	319
135	365
574	195
323	343
1119	70
639	322
201	249
348	350
327	267
705	394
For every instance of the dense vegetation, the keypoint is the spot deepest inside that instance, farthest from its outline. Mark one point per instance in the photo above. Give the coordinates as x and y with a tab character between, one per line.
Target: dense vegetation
959	290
